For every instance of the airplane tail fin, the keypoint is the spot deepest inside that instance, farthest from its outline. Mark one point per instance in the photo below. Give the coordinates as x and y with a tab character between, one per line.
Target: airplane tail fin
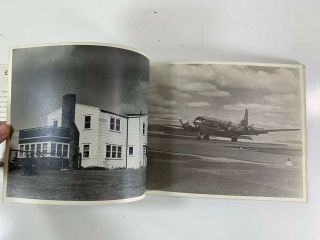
244	121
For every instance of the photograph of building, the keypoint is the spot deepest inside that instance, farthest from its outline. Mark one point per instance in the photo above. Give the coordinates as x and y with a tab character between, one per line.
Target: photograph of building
80	118
102	138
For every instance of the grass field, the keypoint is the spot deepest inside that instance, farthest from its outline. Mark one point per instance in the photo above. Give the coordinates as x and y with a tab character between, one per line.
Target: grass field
72	185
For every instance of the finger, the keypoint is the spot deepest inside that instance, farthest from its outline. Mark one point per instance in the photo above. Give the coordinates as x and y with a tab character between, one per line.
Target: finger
4	132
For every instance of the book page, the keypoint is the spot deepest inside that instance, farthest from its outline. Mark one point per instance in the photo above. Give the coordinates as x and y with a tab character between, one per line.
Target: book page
3	113
80	119
3	100
234	130
3	92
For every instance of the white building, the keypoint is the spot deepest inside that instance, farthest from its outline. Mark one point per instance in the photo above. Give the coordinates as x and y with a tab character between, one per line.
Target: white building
106	139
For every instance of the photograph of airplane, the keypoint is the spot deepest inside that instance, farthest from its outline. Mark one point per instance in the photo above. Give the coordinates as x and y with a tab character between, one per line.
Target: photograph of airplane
203	127
199	141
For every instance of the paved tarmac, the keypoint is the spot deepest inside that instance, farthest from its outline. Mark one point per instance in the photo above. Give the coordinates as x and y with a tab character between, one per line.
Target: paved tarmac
184	164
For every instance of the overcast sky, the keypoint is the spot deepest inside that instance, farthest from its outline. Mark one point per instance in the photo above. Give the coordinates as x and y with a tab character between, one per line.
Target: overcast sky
185	91
108	78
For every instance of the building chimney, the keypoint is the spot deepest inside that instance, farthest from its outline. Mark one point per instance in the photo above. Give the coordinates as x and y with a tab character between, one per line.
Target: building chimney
68	121
68	110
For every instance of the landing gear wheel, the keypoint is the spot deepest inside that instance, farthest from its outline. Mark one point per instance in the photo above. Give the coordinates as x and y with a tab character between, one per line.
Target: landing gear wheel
206	137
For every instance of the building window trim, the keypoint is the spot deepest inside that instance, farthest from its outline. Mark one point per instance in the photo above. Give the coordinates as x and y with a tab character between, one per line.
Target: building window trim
86	151
131	151
45	148
21	150
115	124
55	123
87	122
65	151
113	152
143	128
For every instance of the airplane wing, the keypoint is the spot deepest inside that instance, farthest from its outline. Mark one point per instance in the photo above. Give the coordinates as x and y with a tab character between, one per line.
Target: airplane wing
264	131
245	137
164	127
223	122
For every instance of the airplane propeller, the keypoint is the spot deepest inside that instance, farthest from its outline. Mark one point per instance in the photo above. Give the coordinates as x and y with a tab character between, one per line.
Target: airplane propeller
186	125
228	127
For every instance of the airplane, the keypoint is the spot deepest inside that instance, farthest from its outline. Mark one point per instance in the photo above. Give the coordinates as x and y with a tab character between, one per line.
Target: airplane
203	127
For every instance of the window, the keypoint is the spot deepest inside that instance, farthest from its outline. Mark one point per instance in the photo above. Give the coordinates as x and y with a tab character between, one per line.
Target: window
115	124
59	150
65	151
130	151
38	149
108	151
112	123
113	151
26	148
45	148
53	149
119	152
143	128
32	147
54	123
144	149
87	122
86	151
21	150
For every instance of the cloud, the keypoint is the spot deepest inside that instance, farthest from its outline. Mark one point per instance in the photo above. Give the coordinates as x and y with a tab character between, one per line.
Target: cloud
184	81
272	94
175	93
166	116
281	80
288	99
156	99
215	94
216	77
256	107
198	104
161	110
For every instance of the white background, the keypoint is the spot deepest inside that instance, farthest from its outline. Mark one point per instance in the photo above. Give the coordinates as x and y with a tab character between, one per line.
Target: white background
269	31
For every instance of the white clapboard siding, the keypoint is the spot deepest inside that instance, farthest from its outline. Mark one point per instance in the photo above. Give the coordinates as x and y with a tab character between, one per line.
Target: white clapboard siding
88	136
100	135
107	136
133	141
143	139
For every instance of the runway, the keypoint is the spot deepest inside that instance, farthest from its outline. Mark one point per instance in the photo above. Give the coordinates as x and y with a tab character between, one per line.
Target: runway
184	164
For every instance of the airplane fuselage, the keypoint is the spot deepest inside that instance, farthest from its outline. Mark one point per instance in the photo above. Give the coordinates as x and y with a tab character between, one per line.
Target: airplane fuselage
204	127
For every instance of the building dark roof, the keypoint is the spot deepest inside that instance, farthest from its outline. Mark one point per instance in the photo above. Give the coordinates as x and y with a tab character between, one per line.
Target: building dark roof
44	134
123	115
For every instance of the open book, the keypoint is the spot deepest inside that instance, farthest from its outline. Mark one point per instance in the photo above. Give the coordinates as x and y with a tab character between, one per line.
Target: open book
98	123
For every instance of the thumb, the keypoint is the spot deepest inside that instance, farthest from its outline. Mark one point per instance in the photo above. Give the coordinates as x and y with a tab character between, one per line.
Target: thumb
4	132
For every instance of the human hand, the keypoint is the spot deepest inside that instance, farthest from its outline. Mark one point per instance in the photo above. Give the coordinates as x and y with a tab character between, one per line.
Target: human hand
4	131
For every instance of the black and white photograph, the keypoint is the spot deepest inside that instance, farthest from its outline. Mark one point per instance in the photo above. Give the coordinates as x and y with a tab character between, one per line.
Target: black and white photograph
79	114
227	129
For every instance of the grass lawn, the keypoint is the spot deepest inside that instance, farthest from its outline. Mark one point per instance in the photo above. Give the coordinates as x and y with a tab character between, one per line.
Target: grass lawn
72	185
